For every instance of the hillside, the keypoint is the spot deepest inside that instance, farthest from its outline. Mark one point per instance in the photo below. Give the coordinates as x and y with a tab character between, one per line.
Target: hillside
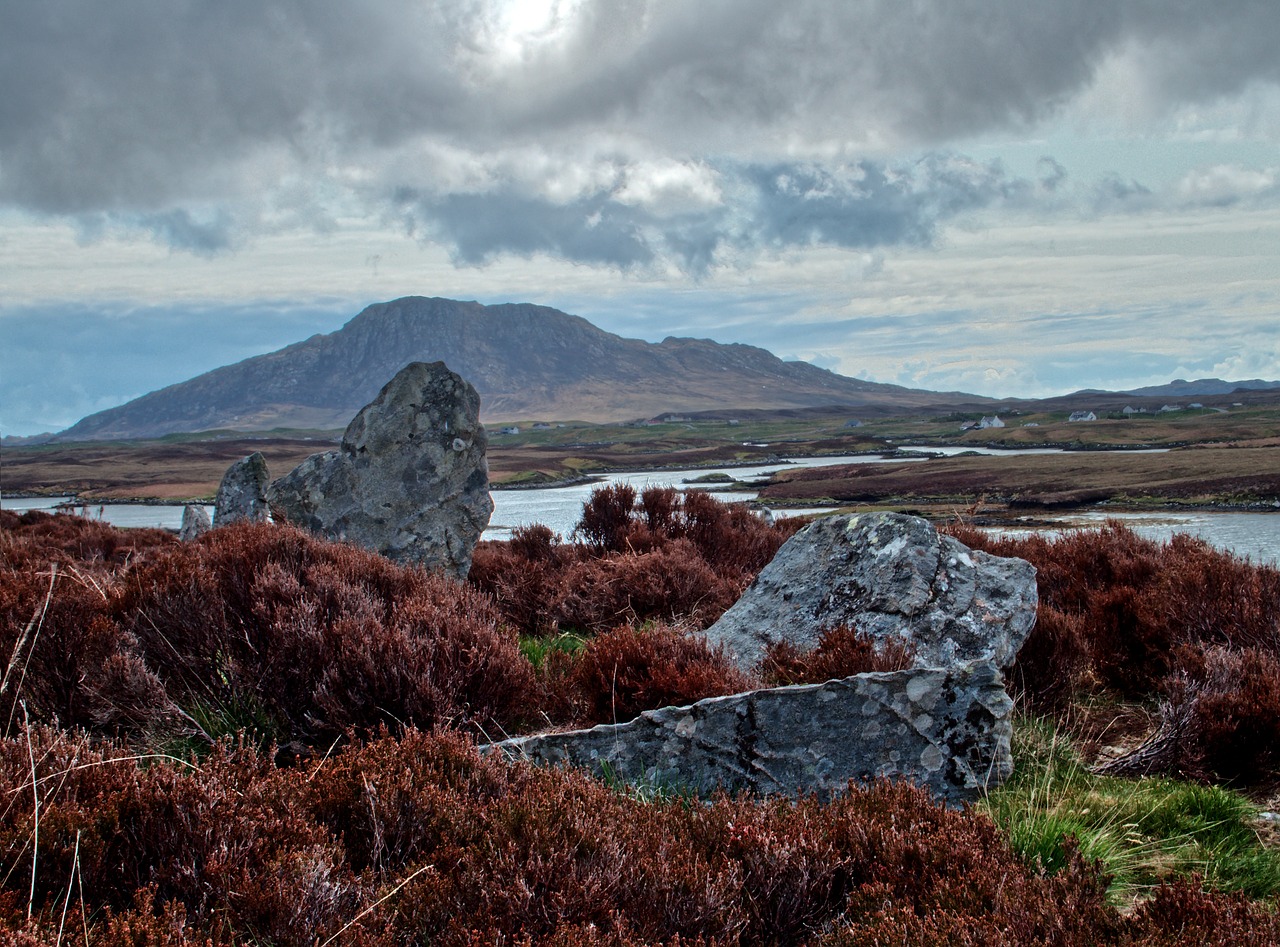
1181	388
527	362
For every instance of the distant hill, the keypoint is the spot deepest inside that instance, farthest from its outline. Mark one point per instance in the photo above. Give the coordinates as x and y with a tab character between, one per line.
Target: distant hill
527	362
1181	388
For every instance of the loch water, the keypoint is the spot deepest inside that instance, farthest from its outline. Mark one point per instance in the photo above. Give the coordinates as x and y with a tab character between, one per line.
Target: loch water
1252	534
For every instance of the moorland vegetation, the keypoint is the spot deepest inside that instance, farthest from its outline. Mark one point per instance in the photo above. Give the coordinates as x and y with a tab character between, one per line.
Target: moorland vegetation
264	737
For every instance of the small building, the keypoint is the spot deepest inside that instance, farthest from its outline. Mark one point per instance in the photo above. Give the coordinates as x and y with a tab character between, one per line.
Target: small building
1082	416
853	422
1165	408
990	422
513	429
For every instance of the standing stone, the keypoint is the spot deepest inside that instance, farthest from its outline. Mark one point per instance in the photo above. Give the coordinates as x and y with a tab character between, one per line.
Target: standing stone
946	729
242	495
410	479
195	523
892	577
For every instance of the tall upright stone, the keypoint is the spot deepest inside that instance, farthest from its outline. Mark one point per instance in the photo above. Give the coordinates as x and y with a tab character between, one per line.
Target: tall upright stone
242	495
410	479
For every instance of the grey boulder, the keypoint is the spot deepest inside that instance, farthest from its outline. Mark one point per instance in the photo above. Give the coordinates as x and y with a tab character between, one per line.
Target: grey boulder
410	479
242	495
195	523
946	729
893	577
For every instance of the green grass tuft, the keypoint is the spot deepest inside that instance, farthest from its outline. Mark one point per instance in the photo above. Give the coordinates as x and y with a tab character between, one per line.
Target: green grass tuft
1143	831
536	648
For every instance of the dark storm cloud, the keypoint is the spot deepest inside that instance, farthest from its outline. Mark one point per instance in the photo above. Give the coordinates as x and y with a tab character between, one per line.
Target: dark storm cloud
480	227
768	208
1051	173
135	103
870	205
153	108
182	231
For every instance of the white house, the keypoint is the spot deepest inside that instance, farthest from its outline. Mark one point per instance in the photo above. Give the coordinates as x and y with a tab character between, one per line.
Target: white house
1082	416
992	421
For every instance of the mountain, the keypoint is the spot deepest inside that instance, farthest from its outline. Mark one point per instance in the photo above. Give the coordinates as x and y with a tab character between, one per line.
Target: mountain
1207	387
1182	388
527	362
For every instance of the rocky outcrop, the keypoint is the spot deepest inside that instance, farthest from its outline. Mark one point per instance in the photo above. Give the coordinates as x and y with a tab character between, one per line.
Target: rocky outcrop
242	495
410	479
947	729
195	523
893	577
944	723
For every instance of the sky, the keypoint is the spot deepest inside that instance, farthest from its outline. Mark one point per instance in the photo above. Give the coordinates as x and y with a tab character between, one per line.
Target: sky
992	196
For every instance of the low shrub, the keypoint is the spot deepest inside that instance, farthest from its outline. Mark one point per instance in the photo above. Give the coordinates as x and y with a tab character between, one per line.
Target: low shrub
1221	720
418	838
671	583
662	556
255	626
328	637
626	671
35	536
841	652
1137	620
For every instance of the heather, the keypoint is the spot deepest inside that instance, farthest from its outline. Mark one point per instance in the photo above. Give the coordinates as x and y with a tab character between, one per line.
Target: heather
416	838
1179	629
265	737
660	555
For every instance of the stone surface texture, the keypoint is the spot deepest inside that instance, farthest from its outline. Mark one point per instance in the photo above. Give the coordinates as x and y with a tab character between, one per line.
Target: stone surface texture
410	479
195	523
242	495
894	577
947	729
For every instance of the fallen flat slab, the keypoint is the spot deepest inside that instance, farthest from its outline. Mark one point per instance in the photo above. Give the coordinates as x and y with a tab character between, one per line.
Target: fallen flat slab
946	729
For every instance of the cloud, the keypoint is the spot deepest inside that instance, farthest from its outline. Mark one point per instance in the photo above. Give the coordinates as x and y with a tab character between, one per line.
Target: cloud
1052	173
149	108
181	230
1227	185
729	212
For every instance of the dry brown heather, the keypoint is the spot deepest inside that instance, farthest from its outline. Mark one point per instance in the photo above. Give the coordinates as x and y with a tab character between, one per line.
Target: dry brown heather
379	824
1128	620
